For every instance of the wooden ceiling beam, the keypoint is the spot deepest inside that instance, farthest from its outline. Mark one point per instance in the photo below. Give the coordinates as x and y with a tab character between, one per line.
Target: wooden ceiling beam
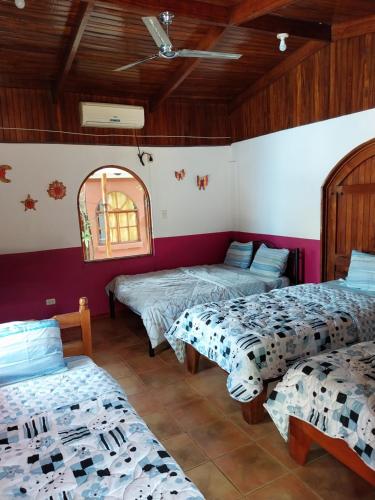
251	9
352	28
243	12
85	9
278	71
278	24
197	10
186	67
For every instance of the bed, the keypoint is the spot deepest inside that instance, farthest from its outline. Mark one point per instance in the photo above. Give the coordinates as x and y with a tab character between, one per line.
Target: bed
330	399
74	434
160	297
256	339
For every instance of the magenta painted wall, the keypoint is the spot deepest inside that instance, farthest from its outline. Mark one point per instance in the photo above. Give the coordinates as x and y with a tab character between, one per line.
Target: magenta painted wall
310	250
28	279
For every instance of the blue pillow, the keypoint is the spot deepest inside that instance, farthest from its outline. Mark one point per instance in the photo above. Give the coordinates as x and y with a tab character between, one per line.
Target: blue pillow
239	254
361	272
270	262
29	349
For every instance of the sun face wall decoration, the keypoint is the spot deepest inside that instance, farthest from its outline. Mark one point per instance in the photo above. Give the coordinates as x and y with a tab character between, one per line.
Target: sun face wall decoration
56	190
29	203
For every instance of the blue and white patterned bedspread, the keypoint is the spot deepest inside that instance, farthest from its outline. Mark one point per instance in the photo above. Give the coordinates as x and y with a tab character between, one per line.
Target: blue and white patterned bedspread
258	337
335	393
74	435
160	297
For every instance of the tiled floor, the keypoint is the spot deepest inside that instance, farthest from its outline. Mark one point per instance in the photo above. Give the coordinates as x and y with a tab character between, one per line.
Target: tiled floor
202	427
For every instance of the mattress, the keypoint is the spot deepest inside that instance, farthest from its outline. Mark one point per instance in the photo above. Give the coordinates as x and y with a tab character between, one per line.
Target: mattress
335	393
257	338
74	435
160	297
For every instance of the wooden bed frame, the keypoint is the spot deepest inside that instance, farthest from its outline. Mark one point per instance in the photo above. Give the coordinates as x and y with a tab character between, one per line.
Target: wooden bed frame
252	412
294	271
302	435
80	319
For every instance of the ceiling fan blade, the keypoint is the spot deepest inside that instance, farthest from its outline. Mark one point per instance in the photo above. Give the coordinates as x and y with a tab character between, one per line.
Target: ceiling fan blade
131	65
207	54
157	32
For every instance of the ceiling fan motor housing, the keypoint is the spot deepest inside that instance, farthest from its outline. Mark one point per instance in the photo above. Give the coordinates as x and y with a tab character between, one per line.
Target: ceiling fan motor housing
166	17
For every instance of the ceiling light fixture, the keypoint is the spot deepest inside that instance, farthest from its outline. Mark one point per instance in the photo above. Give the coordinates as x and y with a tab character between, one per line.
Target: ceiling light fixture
20	4
282	37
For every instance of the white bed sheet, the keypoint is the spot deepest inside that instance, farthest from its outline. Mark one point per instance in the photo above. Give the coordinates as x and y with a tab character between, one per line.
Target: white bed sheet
160	297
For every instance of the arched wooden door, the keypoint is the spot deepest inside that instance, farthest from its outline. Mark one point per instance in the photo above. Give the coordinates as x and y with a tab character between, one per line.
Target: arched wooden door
348	218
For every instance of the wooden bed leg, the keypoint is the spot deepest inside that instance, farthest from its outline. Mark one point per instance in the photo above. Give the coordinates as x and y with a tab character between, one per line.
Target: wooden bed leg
151	350
298	441
253	412
112	309
192	359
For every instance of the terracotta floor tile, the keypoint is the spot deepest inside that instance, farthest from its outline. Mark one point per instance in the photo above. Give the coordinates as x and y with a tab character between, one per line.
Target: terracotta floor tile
255	431
195	413
186	453
219	437
331	480
144	363
212	483
250	467
173	395
139	349
145	402
162	377
117	369
105	357
161	424
209	385
169	357
132	384
226	404
278	448
288	487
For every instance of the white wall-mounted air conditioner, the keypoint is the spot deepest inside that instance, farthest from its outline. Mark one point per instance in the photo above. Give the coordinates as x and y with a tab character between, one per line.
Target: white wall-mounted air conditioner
95	114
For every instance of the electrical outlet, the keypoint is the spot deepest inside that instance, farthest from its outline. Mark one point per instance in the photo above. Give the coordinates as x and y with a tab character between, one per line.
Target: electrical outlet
164	214
50	302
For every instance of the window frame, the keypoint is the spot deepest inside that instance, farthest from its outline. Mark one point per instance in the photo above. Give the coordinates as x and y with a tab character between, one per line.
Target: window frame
130	244
116	212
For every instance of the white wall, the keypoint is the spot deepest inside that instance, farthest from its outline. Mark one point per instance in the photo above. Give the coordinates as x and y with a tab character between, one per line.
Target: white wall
280	175
270	184
55	222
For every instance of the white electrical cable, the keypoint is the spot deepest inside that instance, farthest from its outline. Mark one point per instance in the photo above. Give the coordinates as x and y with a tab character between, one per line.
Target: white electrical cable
114	135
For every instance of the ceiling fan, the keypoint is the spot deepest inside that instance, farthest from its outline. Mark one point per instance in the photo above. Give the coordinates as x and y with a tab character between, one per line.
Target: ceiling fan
165	46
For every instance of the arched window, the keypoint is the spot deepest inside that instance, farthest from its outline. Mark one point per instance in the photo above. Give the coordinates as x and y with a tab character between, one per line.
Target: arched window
114	213
122	219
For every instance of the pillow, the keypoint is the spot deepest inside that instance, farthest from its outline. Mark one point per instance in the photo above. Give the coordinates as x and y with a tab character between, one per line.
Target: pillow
270	262
29	349
361	272
239	254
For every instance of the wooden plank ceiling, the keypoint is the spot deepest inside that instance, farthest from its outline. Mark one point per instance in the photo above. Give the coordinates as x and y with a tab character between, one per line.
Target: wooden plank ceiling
74	45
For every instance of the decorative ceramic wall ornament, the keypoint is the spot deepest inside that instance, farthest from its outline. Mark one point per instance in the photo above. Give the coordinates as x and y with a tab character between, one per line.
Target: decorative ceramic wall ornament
180	174
3	171
202	182
29	203
57	190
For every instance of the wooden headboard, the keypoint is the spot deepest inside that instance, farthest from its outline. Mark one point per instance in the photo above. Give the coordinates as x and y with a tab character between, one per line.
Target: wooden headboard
294	266
348	211
81	318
